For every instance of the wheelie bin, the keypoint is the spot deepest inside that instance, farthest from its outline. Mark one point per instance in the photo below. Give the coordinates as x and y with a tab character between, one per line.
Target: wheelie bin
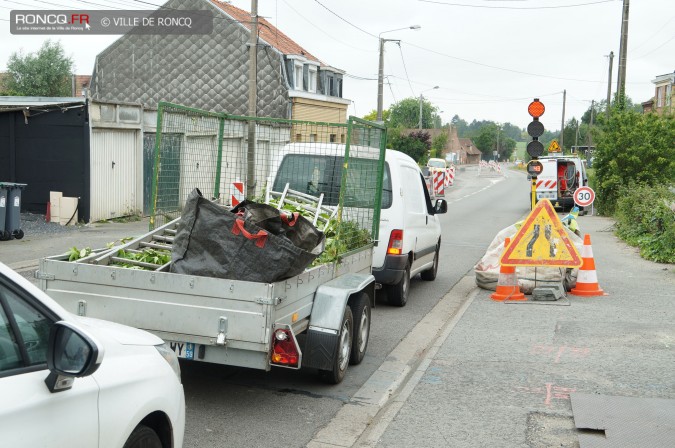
13	218
4	234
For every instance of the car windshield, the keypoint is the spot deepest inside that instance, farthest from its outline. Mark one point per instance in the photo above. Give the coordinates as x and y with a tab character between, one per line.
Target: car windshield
436	163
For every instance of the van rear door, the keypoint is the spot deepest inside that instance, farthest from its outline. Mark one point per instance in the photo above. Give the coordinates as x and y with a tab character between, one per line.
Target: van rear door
547	181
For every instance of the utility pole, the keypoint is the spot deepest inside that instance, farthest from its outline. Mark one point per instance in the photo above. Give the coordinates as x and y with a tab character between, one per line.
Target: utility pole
562	126
498	129
380	82
252	100
419	125
623	50
590	126
609	82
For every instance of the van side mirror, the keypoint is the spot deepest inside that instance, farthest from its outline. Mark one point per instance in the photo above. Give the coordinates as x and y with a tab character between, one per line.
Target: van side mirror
71	353
440	207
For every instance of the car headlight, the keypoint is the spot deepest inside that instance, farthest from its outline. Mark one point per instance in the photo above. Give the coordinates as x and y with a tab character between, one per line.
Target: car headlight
170	357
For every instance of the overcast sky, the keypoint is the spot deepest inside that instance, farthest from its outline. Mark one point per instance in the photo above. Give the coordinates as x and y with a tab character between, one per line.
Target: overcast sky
490	58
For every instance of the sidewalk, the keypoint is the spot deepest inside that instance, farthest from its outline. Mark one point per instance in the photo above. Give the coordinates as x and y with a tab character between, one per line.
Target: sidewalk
26	252
504	374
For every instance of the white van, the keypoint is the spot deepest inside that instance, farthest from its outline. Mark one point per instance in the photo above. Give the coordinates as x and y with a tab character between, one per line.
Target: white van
410	232
409	227
559	179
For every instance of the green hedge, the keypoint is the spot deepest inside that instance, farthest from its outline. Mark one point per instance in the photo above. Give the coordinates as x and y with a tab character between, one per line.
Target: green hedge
646	219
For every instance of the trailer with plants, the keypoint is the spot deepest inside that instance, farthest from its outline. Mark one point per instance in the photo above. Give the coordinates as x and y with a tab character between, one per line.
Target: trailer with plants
204	286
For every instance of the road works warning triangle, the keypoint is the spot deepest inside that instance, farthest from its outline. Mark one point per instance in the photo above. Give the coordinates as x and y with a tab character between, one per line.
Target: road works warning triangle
542	241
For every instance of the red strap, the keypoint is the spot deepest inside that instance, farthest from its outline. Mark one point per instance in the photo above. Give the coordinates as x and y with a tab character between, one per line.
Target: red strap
290	221
261	236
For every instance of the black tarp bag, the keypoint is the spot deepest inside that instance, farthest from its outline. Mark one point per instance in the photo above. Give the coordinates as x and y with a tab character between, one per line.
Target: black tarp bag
293	226
214	242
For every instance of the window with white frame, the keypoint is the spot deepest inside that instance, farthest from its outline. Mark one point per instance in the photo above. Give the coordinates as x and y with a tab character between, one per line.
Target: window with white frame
659	96
669	93
298	76
312	79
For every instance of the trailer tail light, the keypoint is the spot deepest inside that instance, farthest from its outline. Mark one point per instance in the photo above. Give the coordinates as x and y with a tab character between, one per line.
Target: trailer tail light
285	349
395	246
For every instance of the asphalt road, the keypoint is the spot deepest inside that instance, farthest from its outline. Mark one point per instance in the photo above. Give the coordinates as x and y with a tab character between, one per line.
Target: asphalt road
249	408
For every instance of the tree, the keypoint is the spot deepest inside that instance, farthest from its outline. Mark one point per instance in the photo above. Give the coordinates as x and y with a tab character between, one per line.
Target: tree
406	113
512	131
417	144
45	73
486	139
461	125
632	149
372	116
438	143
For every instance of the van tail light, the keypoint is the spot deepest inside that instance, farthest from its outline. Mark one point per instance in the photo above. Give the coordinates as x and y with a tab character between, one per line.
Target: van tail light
285	349
395	246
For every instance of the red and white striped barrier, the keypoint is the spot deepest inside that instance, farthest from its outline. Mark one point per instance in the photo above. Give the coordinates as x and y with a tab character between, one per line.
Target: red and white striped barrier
439	182
449	176
237	195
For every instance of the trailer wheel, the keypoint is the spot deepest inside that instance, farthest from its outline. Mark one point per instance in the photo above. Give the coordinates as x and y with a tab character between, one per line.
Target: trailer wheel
361	313
398	294
342	351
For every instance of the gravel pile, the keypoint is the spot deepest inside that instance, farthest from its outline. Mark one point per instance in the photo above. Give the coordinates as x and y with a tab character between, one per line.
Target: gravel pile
35	224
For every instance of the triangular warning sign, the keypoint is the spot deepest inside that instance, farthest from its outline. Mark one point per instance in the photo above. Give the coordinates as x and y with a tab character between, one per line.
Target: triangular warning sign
554	146
542	241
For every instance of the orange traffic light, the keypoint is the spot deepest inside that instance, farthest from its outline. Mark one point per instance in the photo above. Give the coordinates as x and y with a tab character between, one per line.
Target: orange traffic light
536	108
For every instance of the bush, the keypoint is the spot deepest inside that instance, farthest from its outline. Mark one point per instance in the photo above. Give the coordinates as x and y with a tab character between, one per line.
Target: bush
633	147
645	218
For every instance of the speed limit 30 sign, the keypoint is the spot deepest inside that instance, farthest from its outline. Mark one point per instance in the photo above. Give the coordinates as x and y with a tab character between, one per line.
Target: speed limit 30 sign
584	196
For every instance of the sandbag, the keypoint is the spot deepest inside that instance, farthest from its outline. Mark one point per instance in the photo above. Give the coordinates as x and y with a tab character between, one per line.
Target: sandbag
529	277
211	241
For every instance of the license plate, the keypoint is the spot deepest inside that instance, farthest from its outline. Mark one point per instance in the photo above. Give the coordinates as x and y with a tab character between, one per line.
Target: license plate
184	350
546	195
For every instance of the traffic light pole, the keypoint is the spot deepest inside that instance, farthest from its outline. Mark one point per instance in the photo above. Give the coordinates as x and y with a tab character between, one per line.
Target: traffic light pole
535	148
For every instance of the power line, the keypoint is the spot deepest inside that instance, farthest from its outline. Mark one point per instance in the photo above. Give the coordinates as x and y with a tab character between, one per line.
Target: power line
515	7
405	69
324	32
345	20
652	36
650	52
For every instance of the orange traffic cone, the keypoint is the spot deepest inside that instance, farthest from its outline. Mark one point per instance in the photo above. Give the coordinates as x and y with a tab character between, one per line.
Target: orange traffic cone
507	286
587	280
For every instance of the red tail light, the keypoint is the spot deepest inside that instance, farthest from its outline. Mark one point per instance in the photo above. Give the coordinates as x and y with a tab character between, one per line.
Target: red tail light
395	246
285	350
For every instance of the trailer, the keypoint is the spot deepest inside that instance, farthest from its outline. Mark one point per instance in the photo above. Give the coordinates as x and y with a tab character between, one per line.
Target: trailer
319	319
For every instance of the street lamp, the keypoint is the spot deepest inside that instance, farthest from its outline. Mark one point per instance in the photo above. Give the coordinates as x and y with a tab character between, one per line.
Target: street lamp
419	126
380	73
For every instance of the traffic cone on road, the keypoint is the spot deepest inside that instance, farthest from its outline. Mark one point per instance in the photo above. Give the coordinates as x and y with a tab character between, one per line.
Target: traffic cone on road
587	280
507	285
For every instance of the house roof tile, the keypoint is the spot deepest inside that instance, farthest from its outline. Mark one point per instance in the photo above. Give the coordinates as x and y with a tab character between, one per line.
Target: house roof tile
266	31
468	145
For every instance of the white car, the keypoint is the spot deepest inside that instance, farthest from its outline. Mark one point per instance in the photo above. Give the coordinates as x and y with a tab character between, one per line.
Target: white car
69	381
409	227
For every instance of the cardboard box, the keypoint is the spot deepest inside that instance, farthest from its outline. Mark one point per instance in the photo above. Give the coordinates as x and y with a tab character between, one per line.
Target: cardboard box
55	205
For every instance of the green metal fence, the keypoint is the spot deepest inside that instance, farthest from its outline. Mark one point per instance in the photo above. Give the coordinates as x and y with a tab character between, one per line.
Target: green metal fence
330	172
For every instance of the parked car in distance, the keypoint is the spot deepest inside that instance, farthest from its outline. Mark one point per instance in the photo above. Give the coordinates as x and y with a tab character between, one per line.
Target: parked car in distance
437	163
410	230
70	381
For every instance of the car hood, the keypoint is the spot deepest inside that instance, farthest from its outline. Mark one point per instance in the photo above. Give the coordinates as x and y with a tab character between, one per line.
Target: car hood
121	333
